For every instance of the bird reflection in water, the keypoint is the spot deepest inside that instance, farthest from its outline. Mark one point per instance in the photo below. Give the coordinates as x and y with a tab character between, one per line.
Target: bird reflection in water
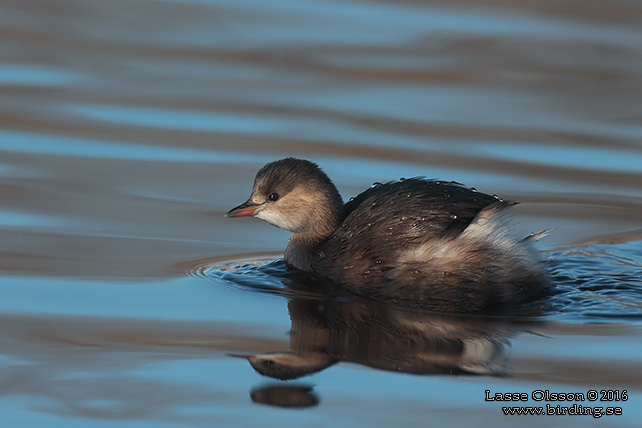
327	330
285	395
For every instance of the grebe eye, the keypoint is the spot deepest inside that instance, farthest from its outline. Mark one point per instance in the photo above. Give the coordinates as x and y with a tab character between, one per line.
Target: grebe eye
272	197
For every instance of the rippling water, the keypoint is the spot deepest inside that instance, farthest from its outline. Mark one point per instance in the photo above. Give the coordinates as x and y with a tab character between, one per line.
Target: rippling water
127	129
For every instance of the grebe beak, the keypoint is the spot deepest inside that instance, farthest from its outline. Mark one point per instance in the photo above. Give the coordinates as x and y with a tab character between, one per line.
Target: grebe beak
244	357
245	209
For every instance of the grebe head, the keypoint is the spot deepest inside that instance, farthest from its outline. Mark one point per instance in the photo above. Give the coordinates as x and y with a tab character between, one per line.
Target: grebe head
295	195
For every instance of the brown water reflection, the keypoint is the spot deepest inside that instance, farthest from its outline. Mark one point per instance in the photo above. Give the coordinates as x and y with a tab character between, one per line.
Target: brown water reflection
285	396
104	368
92	368
324	333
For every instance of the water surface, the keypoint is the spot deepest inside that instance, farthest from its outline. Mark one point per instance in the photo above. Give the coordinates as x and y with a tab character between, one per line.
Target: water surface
127	129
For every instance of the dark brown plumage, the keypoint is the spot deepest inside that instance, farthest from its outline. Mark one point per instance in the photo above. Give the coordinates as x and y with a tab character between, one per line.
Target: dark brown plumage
424	243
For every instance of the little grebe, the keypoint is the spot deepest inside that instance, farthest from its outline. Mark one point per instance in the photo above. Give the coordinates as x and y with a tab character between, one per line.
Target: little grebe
423	243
